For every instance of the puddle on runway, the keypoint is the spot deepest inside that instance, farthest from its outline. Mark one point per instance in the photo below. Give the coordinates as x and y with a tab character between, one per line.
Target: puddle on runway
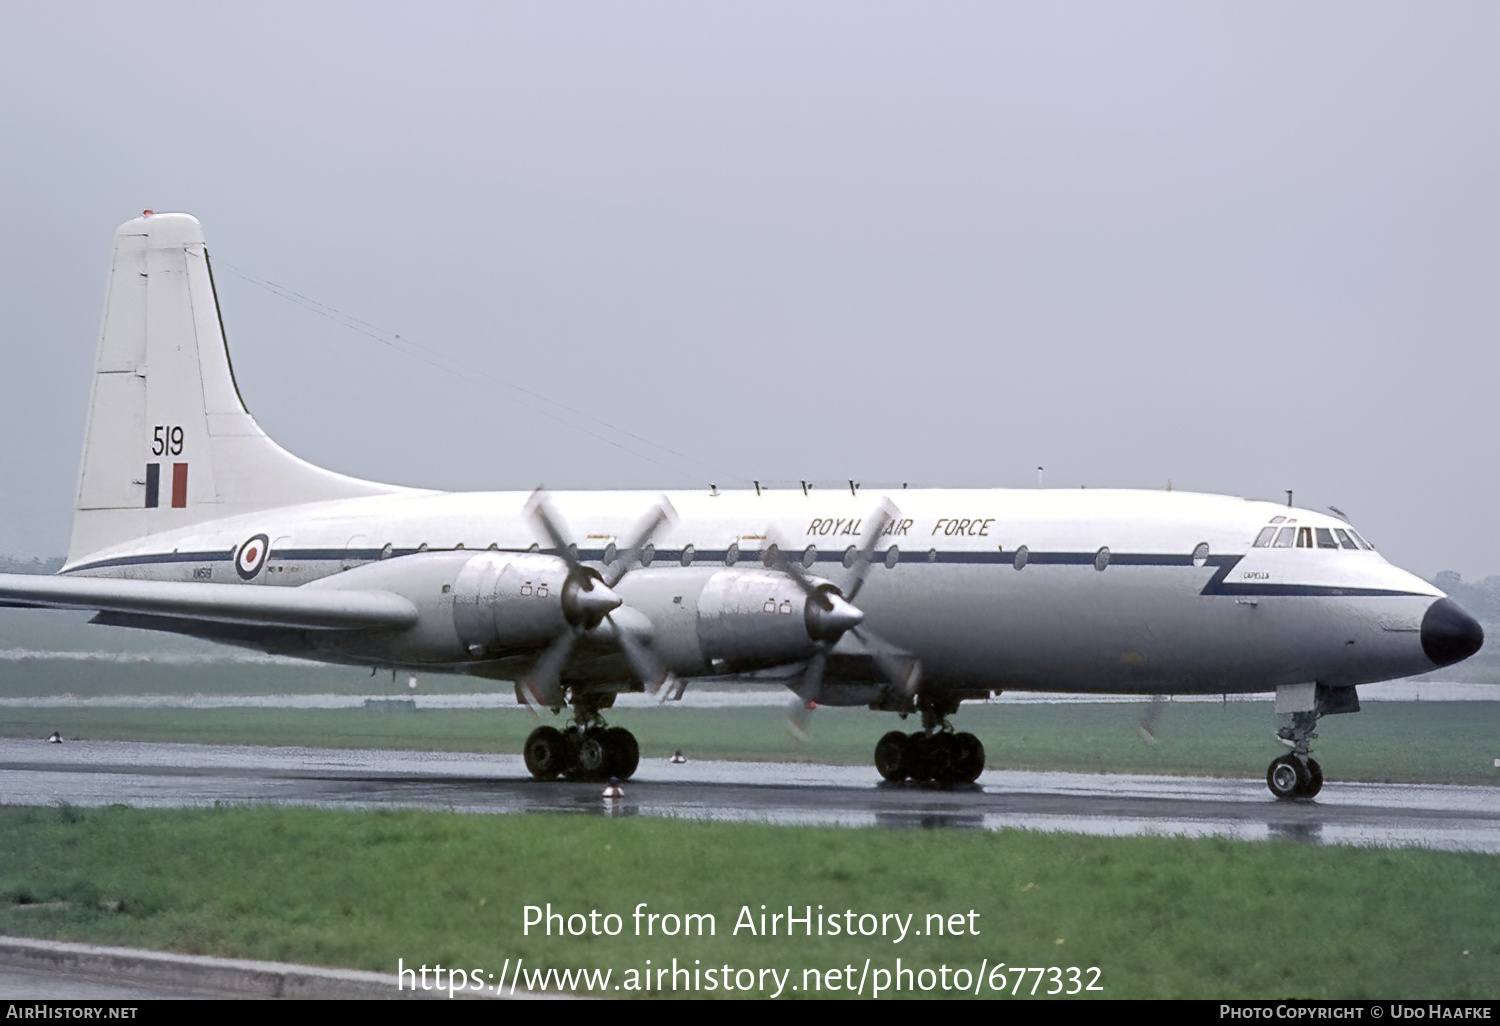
179	775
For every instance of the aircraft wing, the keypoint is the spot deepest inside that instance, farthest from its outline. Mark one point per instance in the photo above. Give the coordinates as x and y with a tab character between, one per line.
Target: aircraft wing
320	608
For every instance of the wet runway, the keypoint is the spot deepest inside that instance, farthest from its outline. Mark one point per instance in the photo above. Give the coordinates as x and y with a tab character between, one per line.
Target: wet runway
149	775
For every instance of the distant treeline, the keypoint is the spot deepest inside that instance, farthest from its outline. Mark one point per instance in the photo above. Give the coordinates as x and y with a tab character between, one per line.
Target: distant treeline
1482	600
34	565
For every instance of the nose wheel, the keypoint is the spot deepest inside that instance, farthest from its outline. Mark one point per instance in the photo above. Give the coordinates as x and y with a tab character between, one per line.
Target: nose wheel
1294	777
581	753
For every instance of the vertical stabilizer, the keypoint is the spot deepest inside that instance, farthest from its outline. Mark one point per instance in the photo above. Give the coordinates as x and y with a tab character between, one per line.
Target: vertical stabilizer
169	442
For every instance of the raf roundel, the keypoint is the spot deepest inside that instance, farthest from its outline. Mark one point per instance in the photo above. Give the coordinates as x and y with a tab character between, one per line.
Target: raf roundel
251	557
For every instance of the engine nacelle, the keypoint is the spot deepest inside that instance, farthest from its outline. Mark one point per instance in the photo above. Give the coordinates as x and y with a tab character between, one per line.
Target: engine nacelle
472	605
712	620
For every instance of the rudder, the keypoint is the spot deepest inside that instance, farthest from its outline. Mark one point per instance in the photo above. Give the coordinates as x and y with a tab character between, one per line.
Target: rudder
168	441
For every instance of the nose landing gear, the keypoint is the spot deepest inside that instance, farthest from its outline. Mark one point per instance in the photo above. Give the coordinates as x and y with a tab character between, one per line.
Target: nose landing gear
1298	709
1293	777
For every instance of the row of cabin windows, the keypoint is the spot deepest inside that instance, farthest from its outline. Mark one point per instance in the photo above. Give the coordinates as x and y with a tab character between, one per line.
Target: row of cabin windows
771	556
1290	535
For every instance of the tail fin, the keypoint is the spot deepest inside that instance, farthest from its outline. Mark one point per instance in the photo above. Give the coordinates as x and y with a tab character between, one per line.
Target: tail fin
169	442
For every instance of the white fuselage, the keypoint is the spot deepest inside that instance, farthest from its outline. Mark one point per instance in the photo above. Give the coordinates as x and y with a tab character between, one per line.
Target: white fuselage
1158	613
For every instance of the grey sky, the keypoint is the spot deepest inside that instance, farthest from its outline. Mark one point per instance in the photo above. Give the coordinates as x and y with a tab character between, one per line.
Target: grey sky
1242	247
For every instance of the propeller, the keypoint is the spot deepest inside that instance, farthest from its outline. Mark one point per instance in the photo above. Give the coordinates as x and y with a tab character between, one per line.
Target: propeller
831	613
588	600
1151	719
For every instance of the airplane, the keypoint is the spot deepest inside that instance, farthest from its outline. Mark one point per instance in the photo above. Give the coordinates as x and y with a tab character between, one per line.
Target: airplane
191	520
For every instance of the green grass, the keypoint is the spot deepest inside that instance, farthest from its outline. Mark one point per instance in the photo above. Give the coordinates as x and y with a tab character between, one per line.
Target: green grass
132	674
1452	742
1161	917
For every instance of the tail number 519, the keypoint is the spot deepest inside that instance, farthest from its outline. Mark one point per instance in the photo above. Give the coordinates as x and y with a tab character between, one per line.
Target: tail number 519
166	441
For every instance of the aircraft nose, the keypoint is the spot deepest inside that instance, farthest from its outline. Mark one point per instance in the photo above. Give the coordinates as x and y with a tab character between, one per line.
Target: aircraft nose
1449	634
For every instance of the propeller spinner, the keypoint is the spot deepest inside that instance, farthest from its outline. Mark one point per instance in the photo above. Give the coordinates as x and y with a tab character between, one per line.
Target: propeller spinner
589	601
832	613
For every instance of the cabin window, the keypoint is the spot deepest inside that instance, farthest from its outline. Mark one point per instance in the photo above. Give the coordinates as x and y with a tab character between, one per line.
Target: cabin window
732	554
1277	520
849	557
647	555
1344	539
1200	554
1101	559
1286	537
1361	539
1022	555
810	556
1304	538
610	552
1263	540
892	557
688	553
1325	538
771	557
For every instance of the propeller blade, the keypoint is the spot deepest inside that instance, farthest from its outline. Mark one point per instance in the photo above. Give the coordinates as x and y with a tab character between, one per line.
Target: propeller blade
793	569
1152	719
643	662
884	514
899	667
539	510
625	559
810	687
797	719
543	682
809	690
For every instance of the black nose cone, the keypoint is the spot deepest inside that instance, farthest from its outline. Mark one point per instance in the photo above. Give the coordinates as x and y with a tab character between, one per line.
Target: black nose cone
1449	634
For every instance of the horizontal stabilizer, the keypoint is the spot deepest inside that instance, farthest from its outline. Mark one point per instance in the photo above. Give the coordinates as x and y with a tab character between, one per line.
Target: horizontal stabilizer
315	608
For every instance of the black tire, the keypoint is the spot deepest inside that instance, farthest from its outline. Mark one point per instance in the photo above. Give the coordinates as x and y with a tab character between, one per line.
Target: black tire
918	756
592	756
943	758
1287	777
892	757
1314	779
546	753
624	752
969	762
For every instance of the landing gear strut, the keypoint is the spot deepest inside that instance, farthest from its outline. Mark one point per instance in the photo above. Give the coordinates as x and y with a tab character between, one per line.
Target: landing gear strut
1298	709
587	750
935	753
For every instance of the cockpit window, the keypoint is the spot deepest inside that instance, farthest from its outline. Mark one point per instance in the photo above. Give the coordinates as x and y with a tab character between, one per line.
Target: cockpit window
1292	535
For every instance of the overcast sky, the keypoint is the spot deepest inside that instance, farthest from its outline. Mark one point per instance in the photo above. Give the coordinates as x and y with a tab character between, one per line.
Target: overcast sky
1243	248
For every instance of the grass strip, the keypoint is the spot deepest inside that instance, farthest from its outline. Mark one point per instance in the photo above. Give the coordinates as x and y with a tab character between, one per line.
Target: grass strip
1160	917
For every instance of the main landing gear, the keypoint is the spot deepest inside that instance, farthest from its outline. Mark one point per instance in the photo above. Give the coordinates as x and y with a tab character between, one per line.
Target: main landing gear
587	750
935	753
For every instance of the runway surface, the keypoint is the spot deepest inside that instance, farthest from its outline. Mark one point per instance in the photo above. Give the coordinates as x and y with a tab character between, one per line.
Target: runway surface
150	775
